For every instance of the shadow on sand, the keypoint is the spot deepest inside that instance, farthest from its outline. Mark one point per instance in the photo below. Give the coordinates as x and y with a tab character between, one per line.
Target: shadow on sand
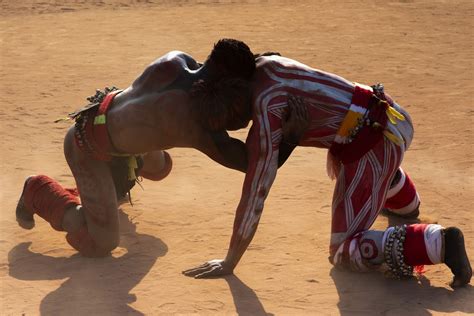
245	299
92	286
373	294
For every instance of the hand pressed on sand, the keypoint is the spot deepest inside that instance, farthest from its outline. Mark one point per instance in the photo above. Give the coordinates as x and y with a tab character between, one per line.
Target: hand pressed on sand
212	268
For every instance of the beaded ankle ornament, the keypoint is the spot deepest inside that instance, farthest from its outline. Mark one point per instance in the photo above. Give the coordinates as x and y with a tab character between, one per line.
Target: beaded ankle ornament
393	253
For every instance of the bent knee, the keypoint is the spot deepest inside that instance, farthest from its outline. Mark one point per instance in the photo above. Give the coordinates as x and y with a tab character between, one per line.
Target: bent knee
97	245
106	245
157	166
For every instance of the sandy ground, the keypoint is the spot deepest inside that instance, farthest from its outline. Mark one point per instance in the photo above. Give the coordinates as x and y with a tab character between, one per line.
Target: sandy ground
55	53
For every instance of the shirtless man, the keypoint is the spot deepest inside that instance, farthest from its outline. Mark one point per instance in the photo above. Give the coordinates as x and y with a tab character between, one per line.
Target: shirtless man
366	134
175	102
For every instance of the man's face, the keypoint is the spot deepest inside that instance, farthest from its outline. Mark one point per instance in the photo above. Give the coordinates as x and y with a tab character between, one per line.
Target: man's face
240	115
230	124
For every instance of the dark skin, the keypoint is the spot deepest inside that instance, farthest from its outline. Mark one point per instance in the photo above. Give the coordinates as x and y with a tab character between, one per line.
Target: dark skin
152	115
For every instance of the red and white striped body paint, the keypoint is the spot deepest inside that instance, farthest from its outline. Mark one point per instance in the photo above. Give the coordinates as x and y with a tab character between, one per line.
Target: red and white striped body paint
361	187
328	97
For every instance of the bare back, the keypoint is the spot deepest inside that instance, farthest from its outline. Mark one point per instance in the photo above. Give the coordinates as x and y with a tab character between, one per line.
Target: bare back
154	112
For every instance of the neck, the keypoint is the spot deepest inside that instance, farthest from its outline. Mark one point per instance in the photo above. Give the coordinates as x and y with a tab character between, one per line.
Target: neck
207	72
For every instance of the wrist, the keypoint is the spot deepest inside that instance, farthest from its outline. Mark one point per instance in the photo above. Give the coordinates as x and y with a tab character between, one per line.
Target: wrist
230	263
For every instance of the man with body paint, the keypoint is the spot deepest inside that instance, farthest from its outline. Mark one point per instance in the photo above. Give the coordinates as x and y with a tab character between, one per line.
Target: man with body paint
366	134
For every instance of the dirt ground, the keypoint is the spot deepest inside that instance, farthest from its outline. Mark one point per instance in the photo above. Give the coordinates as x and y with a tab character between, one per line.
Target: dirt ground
55	53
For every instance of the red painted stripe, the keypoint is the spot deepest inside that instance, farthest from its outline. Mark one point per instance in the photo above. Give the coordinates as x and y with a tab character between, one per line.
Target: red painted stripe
361	97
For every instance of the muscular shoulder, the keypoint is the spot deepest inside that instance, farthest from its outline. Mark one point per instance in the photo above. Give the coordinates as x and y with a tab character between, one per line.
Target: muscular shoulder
274	78
179	58
280	63
165	70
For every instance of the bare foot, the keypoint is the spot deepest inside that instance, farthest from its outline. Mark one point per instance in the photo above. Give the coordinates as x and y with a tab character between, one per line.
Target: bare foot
456	258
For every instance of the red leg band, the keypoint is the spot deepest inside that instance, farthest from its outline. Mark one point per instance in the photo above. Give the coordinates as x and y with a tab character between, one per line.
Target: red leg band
163	173
414	251
83	242
73	191
47	198
403	198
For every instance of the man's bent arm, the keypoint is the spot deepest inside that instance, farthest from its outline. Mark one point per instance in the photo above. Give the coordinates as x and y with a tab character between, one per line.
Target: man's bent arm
233	152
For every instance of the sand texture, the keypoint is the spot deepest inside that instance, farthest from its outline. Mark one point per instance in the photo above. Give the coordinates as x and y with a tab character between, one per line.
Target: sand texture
55	53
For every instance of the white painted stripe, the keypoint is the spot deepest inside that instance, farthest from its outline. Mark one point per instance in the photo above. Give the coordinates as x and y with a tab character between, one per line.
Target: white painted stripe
363	86
434	242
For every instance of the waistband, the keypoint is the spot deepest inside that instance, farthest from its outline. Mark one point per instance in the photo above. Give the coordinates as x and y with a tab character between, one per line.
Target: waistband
100	132
91	133
364	125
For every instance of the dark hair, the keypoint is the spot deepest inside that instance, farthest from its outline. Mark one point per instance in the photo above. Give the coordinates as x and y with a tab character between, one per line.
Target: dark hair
222	104
233	58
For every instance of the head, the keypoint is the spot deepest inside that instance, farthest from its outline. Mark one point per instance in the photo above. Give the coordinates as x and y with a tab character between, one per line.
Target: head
222	104
231	58
222	100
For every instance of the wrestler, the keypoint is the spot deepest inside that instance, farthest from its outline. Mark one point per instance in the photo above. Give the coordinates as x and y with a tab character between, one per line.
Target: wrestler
366	134
122	134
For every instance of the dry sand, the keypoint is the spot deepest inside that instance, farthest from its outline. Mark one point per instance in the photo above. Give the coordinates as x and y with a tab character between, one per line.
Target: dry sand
55	53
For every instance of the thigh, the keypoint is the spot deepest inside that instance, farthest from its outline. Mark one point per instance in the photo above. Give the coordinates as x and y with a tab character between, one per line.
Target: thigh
97	192
361	189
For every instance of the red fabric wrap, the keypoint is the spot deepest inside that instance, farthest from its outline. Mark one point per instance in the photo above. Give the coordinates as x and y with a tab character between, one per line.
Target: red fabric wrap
163	173
414	248
361	97
48	199
368	136
73	191
83	242
97	136
403	197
